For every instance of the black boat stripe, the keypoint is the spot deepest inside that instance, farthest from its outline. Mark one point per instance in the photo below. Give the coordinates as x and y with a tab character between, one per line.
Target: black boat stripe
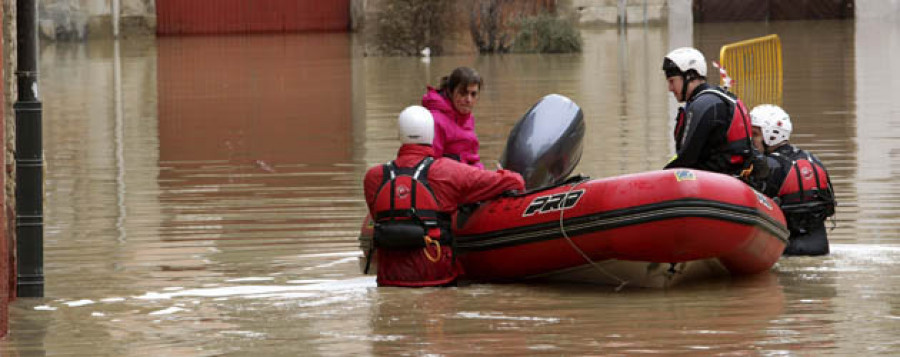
625	212
619	218
599	225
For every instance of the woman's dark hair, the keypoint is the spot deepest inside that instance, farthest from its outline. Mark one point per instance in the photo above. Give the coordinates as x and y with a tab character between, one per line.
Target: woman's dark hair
461	76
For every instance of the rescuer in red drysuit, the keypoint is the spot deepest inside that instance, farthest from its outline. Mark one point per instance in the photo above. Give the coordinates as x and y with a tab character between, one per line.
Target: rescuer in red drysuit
412	199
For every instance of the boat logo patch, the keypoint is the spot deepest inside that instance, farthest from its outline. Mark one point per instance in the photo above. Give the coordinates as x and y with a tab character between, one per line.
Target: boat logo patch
555	202
685	175
763	199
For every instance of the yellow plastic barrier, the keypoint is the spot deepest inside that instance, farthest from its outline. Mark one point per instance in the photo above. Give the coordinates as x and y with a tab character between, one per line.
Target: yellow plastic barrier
755	65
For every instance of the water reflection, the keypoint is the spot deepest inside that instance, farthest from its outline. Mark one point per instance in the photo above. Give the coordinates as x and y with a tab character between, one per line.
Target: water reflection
254	150
570	320
203	199
877	130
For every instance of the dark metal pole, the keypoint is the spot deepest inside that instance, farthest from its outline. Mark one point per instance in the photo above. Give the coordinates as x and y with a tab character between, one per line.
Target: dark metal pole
29	160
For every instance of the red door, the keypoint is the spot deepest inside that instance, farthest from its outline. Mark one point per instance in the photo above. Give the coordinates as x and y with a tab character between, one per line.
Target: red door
179	17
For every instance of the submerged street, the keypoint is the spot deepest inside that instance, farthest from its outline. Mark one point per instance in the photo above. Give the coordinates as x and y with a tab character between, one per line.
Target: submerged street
204	198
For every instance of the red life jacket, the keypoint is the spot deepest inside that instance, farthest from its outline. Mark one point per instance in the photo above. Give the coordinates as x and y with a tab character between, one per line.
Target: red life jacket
737	153
412	238
806	194
738	145
806	180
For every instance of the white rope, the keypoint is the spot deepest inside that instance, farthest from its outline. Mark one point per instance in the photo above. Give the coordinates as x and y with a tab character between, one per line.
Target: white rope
562	229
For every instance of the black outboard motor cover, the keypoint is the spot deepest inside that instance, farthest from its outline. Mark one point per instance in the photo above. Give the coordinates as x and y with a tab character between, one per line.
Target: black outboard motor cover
545	144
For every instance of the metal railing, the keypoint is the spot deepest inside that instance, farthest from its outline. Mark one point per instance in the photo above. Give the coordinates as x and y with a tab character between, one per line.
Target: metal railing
756	67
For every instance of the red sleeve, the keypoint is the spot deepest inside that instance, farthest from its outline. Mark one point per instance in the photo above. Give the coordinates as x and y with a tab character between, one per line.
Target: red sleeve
484	184
371	183
457	183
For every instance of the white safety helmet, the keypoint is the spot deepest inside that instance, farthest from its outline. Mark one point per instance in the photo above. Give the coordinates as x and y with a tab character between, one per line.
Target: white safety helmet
683	59
774	123
415	125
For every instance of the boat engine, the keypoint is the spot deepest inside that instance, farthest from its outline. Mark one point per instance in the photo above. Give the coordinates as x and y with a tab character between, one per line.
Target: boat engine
545	144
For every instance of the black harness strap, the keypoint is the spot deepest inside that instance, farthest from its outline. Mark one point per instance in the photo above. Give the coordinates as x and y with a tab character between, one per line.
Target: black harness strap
789	164
796	169
415	180
828	191
423	166
421	214
814	165
387	170
418	174
391	170
426	218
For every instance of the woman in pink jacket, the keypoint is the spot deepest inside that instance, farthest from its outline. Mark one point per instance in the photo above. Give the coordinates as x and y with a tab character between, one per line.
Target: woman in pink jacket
454	126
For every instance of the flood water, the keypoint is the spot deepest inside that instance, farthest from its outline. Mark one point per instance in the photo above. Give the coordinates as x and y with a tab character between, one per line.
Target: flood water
203	198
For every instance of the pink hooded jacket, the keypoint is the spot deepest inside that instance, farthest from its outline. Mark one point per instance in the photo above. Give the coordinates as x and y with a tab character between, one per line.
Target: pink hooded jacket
454	133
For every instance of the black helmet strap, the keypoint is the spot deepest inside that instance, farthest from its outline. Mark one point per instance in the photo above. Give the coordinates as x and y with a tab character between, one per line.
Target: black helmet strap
684	85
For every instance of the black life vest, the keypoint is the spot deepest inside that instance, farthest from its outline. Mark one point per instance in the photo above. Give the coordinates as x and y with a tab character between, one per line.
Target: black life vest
737	154
406	209
806	195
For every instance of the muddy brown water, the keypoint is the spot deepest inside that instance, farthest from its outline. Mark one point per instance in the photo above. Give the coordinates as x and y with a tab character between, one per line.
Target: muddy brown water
203	198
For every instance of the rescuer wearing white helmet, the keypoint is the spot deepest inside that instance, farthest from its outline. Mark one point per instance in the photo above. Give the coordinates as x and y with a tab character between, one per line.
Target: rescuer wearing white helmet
712	129
685	69
415	126
798	181
771	127
411	200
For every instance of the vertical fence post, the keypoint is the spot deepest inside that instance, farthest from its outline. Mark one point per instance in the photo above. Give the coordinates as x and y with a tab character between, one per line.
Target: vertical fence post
29	157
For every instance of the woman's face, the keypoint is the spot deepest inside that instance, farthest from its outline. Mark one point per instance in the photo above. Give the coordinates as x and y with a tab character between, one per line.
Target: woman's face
465	97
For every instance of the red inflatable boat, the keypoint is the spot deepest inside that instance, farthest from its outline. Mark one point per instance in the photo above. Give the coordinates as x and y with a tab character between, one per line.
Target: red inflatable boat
650	229
655	228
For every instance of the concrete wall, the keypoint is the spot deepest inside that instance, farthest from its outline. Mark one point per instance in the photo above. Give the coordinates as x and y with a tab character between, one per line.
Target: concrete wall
876	49
590	13
82	19
138	17
878	9
586	13
680	24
